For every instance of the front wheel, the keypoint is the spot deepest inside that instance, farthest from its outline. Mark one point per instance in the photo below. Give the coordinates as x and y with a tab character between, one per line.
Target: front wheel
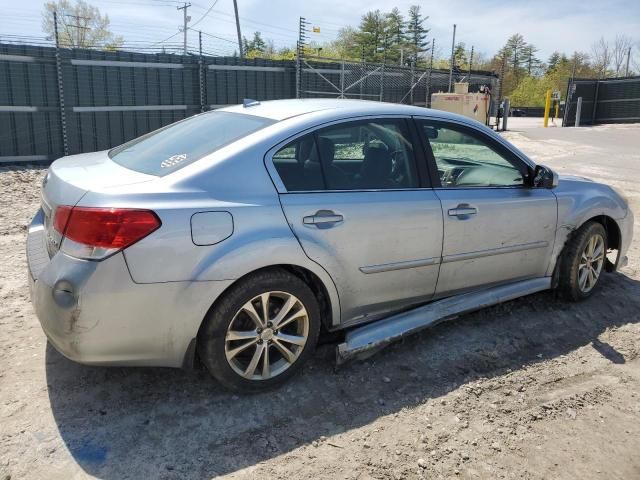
583	262
260	332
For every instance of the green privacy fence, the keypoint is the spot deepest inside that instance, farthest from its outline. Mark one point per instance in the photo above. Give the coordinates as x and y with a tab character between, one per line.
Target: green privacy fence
60	101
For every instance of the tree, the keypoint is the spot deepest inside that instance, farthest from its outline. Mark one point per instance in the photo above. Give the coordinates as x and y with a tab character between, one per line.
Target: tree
516	49
394	32
256	47
621	47
601	57
371	35
581	66
554	58
416	32
346	44
460	57
80	25
532	63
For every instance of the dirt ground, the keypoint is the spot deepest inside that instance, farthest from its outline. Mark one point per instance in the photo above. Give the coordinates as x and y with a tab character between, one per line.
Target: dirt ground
533	389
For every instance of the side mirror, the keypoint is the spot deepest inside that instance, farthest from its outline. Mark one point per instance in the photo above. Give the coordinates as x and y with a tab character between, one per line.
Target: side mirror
431	132
544	177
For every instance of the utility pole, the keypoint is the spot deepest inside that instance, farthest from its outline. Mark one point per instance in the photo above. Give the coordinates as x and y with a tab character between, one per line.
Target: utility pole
453	47
626	72
470	63
240	46
184	24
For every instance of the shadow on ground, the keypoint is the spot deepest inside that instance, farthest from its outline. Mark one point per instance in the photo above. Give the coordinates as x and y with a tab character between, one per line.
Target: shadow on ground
162	423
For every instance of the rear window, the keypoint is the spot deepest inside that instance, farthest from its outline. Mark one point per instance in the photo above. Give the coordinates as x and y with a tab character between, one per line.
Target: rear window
177	145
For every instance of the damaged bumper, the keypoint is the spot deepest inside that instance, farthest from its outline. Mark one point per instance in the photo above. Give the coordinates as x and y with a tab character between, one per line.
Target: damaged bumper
93	312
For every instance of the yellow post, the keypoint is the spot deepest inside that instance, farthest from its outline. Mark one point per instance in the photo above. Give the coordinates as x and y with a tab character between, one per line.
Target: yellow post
547	107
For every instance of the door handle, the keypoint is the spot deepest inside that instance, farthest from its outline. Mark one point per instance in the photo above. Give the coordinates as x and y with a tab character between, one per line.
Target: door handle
323	218
463	210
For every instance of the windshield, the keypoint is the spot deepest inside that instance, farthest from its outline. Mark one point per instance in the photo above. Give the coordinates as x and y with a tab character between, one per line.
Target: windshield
172	147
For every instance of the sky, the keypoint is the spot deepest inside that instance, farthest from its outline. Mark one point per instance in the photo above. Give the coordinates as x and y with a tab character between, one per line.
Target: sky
549	25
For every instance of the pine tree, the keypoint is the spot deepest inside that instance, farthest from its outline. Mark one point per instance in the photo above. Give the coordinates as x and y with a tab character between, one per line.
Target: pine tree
516	46
530	60
552	63
395	26
370	36
416	32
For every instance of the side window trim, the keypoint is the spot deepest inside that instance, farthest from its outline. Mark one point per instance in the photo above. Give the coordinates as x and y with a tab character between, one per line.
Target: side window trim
420	155
517	162
405	120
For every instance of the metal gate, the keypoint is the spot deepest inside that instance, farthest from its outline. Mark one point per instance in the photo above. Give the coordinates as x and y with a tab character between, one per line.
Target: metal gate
614	100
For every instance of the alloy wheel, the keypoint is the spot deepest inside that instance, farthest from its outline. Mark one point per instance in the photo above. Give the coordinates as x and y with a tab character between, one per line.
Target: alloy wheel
591	262
267	335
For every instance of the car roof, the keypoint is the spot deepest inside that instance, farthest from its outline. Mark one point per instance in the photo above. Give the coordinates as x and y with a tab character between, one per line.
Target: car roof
283	109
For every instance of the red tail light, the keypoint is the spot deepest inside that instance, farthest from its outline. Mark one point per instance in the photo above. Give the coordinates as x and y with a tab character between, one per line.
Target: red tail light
108	228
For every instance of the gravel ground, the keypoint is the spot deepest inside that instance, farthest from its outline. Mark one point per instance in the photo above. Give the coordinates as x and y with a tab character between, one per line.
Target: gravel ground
534	388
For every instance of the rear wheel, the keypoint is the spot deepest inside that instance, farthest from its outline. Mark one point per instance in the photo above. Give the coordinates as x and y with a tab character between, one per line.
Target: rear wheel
261	332
583	262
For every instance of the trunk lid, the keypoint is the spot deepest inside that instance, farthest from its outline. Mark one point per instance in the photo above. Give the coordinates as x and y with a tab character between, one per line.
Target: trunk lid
69	178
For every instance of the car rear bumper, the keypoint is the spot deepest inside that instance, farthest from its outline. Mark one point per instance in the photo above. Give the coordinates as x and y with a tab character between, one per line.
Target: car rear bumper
93	312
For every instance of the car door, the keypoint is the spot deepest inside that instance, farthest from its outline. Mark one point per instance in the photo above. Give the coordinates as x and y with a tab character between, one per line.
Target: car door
353	197
497	228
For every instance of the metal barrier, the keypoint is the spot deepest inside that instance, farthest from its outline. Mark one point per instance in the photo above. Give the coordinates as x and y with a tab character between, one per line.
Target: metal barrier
56	101
612	100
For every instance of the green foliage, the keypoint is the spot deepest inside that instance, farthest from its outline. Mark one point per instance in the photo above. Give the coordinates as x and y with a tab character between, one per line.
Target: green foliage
80	25
416	32
383	37
254	48
531	91
460	56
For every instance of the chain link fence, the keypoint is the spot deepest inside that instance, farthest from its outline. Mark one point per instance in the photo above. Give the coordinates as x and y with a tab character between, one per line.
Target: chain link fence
323	77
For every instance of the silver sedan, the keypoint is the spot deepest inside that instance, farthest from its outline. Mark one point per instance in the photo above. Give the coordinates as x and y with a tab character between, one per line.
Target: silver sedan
236	236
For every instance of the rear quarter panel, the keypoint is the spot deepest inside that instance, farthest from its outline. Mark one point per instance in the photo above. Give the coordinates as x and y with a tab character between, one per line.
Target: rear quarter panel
241	187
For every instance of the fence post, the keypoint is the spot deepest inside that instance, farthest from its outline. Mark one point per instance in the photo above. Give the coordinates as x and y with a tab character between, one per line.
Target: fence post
382	83
298	69
342	79
411	83
363	68
202	74
595	103
578	111
505	116
428	92
63	116
567	101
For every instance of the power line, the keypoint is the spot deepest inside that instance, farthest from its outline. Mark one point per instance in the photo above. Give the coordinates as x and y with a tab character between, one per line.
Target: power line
215	36
205	14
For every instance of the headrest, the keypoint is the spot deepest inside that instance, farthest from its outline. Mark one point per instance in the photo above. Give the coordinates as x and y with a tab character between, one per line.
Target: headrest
327	149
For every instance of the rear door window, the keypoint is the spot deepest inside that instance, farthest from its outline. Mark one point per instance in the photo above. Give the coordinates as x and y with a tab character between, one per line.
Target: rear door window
177	145
358	155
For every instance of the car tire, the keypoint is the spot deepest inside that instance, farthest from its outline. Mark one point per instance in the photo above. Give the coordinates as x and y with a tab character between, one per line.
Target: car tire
237	319
576	262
